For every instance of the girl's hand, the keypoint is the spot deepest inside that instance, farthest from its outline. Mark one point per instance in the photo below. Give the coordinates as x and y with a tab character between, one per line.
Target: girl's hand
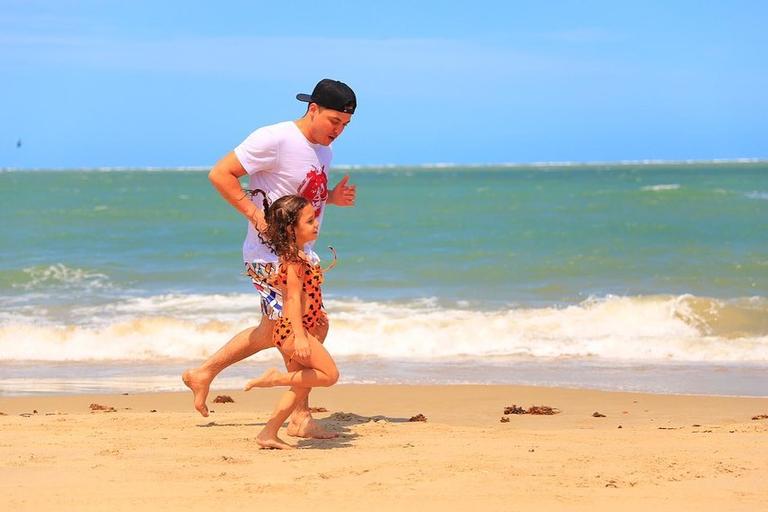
301	347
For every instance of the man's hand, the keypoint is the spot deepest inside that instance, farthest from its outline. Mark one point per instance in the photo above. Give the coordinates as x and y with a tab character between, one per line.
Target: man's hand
258	221
343	194
260	225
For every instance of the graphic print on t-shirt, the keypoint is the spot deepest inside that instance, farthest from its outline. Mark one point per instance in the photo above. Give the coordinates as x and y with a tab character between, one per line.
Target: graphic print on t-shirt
315	188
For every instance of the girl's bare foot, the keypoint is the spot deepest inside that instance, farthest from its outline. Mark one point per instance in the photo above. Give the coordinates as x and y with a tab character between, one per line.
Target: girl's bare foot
272	443
266	380
200	387
307	427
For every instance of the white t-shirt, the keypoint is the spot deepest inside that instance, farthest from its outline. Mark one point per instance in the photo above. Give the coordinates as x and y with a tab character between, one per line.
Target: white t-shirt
281	161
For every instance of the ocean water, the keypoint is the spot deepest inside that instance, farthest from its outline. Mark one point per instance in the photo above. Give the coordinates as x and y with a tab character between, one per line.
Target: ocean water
642	277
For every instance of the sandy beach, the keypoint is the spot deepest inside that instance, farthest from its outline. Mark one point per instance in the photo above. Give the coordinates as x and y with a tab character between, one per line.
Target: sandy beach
153	452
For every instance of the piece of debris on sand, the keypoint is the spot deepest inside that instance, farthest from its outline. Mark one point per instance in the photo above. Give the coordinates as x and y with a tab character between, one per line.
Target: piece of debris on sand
348	416
418	417
534	409
598	415
760	417
543	409
223	399
99	407
318	409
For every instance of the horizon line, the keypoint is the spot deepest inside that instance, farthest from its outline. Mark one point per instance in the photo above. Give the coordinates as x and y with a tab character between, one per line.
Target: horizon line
434	165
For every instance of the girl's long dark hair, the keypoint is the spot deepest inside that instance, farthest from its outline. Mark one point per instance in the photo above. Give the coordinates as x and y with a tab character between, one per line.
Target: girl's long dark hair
281	217
253	193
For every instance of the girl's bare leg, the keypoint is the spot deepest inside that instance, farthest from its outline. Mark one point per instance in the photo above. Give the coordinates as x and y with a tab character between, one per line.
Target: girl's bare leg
301	422
268	438
319	370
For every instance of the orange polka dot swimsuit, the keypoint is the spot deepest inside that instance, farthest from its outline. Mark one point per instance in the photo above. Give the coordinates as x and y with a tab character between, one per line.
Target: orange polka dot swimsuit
314	312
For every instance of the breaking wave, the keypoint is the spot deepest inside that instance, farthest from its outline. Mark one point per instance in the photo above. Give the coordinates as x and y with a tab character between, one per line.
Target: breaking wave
191	327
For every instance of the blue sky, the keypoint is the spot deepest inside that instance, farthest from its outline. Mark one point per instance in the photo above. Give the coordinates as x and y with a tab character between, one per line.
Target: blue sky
139	83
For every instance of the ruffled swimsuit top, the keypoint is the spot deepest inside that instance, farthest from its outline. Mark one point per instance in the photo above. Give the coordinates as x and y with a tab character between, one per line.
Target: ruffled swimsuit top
312	280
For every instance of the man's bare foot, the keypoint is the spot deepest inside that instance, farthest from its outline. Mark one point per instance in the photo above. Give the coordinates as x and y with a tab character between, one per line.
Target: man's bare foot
272	443
199	387
266	380
307	427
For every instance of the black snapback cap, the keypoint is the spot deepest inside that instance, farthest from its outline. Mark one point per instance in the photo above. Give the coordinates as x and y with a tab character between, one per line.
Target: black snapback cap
332	94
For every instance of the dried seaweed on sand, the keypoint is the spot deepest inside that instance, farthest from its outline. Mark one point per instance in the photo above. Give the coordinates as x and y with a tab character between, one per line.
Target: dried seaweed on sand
534	409
99	407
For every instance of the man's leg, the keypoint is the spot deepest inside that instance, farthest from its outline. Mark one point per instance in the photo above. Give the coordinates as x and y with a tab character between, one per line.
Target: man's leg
242	345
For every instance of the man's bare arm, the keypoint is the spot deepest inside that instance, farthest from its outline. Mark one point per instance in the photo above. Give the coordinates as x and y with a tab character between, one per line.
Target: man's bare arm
225	178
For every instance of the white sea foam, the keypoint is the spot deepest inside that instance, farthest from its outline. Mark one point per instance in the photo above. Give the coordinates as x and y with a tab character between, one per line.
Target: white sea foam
142	339
757	195
61	275
661	188
680	328
231	308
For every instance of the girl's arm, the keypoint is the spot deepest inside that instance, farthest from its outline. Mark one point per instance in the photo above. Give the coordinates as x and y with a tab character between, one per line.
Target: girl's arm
292	310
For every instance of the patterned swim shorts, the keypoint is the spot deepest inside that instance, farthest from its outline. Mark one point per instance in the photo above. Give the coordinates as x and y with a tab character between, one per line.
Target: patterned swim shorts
271	296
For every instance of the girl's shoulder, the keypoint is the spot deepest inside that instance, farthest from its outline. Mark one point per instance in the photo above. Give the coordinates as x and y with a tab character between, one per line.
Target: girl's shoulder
298	267
306	271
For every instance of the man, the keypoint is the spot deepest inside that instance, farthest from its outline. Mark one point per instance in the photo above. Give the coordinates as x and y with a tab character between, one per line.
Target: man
286	158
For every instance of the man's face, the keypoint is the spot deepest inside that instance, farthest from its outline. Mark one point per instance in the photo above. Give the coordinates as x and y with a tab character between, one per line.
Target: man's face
326	124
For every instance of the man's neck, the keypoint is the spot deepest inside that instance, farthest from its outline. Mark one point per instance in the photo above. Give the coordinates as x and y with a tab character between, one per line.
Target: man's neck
303	125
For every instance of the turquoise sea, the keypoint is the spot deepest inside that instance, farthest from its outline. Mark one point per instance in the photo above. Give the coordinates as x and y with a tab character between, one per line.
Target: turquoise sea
646	277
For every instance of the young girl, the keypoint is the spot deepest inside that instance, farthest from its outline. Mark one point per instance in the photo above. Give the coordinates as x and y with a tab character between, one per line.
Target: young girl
291	224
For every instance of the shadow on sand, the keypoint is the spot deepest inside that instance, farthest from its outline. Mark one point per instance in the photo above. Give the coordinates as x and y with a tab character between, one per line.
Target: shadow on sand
338	422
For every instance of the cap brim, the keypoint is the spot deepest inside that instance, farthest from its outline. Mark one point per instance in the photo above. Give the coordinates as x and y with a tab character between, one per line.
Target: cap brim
304	97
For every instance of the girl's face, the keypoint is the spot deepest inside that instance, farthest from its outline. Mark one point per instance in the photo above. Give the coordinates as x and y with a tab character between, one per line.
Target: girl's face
306	226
